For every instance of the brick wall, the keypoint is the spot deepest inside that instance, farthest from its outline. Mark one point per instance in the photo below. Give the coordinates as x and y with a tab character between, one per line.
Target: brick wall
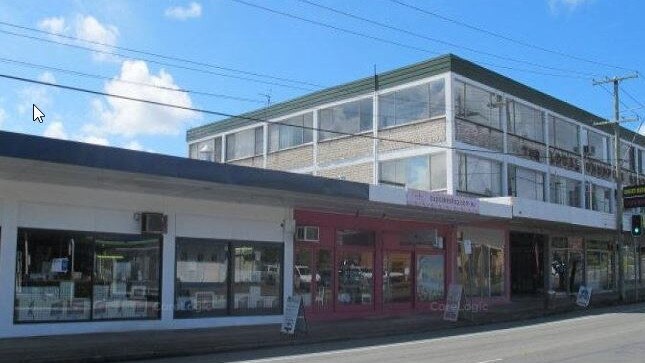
290	159
345	148
429	132
359	173
474	134
255	161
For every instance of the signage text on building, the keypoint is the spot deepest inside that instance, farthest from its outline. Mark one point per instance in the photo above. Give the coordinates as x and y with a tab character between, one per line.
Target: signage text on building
442	201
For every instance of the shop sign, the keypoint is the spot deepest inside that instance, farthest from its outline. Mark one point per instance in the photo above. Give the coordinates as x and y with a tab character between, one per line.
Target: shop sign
584	296
564	160
294	316
442	201
634	196
453	303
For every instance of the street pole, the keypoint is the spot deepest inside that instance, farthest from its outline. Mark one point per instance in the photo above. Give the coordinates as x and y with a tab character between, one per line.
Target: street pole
619	180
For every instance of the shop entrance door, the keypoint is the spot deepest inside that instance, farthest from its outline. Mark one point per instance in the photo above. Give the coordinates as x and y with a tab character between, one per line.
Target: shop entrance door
313	277
398	280
355	281
527	263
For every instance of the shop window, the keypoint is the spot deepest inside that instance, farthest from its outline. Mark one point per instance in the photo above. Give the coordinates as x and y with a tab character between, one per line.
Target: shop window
412	104
397	278
324	268
565	191
479	176
355	278
525	121
599	265
126	277
567	264
347	118
291	132
302	274
525	183
257	278
72	276
201	269
427	172
355	238
430	277
482	271
564	135
244	144
477	105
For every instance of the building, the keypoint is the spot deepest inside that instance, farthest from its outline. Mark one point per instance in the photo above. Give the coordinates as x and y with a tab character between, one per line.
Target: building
448	127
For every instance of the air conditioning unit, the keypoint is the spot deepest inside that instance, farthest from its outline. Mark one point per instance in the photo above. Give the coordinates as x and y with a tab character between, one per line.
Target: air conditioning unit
154	223
308	233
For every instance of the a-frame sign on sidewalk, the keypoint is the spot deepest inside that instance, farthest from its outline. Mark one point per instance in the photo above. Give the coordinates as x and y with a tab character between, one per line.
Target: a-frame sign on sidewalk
294	316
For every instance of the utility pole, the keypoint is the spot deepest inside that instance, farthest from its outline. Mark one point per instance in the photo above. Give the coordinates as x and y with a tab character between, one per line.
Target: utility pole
618	177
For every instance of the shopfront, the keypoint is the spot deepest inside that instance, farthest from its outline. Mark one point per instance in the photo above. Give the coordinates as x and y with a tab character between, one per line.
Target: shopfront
346	265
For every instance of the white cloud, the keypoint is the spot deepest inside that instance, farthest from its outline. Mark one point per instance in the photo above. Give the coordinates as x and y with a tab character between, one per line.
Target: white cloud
56	130
104	36
556	5
193	10
134	145
47	77
131	118
54	25
3	116
36	95
91	139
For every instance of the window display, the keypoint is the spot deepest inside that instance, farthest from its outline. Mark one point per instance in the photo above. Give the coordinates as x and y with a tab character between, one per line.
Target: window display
430	277
257	278
600	265
397	277
71	276
355	278
302	275
567	264
201	270
482	271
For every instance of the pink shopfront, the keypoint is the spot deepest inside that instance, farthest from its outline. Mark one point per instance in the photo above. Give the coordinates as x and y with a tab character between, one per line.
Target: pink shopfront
349	266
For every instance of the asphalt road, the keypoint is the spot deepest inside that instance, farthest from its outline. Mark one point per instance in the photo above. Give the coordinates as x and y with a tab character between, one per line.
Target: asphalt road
610	335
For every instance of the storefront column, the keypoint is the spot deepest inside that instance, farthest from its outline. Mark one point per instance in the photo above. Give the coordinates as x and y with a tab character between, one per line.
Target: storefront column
168	270
9	236
289	229
547	260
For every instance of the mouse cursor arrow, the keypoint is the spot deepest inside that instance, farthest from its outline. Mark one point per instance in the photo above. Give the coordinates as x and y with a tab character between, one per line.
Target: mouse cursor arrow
38	114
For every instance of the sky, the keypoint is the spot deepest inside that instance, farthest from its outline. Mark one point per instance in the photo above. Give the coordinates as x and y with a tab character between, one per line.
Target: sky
232	56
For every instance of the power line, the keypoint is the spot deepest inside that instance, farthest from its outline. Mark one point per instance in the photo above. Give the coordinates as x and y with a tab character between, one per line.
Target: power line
172	65
392	42
455	45
95	76
252	119
163	56
505	37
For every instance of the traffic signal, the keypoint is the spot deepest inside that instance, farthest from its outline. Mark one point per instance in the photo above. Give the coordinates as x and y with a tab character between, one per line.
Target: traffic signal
637	225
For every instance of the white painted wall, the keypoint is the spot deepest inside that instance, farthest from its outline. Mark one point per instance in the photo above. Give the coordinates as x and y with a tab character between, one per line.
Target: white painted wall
34	205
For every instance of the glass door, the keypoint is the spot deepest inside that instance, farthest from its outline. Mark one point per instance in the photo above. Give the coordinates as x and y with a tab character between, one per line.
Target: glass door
355	290
397	279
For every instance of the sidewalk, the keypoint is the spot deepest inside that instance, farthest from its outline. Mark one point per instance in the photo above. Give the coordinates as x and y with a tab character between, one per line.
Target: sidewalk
107	347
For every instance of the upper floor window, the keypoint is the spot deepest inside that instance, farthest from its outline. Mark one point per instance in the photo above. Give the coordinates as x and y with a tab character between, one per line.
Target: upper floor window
564	135
427	172
598	198
628	156
478	105
525	183
347	118
565	191
208	150
411	104
525	121
244	144
596	146
283	135
480	176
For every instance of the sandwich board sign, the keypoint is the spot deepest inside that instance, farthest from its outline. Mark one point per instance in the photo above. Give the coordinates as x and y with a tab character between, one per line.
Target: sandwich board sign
453	302
584	295
294	316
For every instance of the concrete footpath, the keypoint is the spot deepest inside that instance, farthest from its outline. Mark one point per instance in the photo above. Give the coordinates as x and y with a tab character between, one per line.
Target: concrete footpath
110	347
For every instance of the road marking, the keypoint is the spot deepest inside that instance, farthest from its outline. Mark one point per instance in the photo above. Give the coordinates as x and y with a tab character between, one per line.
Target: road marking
491	361
433	340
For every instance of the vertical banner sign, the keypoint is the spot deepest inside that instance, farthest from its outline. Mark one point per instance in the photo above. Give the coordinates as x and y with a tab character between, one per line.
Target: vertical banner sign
584	295
294	316
453	302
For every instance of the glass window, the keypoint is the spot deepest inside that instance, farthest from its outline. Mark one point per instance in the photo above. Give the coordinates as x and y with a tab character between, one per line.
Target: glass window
565	191
526	121
427	172
412	104
430	277
324	278
355	278
567	264
599	265
283	136
628	156
208	150
596	146
244	144
348	118
525	183
53	276
397	278
126	277
201	278
477	105
302	274
482	271
598	198
257	278
69	276
564	135
479	176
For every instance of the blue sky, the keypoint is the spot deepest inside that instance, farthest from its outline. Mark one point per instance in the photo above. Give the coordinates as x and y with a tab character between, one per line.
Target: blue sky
229	34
